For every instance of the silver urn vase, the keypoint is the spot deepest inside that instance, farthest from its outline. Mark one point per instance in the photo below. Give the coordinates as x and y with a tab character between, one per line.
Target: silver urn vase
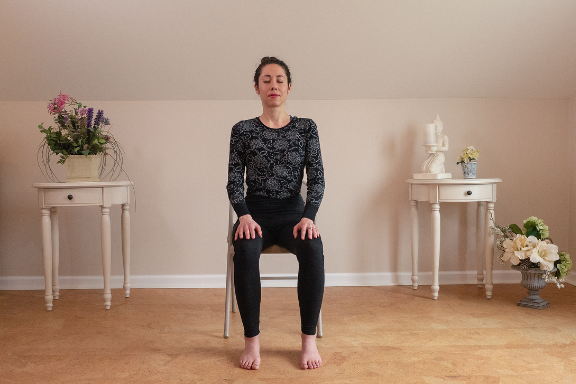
469	169
533	281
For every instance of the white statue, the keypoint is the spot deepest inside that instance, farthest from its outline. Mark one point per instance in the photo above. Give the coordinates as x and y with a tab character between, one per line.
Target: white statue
437	163
433	166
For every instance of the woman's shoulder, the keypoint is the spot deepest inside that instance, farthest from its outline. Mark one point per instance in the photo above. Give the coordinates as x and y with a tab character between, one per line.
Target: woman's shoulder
305	123
304	120
245	125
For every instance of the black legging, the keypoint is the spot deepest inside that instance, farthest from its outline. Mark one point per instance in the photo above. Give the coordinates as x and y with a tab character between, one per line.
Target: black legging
277	218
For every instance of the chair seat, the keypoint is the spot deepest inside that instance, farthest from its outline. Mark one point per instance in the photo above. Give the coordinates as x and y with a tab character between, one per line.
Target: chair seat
275	249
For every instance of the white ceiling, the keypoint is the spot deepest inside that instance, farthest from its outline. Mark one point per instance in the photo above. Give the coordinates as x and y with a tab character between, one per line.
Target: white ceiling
363	49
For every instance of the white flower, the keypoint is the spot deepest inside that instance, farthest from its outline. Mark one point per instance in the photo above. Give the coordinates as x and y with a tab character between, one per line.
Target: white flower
519	248
545	254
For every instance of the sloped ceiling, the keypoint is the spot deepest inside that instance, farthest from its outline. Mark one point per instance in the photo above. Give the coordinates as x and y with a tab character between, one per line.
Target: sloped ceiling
186	50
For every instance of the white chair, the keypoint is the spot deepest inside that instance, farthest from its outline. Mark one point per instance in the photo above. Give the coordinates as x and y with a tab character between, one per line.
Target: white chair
230	291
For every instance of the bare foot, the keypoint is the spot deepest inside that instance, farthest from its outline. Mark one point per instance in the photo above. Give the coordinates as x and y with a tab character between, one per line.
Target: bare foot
250	358
310	358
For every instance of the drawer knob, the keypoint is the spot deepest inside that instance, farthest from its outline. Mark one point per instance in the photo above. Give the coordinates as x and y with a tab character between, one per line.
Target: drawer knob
469	193
70	197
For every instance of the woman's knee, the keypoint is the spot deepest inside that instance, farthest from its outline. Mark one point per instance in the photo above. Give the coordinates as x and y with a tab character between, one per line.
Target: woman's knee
246	250
311	249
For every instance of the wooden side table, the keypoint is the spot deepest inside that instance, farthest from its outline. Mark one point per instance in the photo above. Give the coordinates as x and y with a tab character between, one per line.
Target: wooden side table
482	191
104	194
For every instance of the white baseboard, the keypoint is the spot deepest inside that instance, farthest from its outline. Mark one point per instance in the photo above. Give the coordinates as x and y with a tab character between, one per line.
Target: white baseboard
219	281
571	278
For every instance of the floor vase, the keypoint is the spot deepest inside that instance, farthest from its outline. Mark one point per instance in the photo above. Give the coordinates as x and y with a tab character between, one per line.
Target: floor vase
533	281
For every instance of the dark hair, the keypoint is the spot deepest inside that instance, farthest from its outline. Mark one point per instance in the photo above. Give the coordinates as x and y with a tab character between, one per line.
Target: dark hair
271	60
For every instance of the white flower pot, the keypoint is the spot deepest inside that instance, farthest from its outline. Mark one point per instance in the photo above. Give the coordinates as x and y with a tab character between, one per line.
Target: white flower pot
469	169
80	168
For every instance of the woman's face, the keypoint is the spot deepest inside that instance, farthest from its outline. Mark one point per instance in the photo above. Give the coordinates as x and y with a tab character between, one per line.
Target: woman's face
273	86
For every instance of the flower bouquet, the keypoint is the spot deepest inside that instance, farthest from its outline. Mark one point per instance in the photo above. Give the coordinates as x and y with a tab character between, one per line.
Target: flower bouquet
530	247
78	132
468	154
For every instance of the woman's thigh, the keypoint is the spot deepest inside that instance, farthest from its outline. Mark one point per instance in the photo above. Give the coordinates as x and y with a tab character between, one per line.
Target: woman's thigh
251	248
301	248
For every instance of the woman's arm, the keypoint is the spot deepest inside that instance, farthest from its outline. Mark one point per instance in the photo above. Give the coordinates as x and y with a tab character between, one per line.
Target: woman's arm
314	173
247	227
236	167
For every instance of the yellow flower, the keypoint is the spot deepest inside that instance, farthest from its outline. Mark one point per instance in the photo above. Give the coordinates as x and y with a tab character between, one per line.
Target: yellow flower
468	154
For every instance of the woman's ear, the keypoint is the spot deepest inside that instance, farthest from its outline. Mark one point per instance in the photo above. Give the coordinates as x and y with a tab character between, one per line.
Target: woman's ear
289	87
256	89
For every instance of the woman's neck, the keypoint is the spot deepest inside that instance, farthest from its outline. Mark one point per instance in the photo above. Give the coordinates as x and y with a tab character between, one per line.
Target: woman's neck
275	118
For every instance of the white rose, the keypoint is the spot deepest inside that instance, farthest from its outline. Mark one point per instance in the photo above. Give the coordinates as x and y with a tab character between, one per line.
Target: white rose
545	254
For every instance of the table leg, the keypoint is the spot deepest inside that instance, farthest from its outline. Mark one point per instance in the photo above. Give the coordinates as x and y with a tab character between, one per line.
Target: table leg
106	255
55	253
480	258
414	235
126	247
47	254
435	248
489	248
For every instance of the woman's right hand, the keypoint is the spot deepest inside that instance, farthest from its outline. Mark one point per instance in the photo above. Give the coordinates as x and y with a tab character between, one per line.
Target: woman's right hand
247	228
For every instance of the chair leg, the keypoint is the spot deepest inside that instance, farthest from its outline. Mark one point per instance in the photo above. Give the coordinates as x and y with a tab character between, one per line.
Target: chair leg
234	302
319	325
229	288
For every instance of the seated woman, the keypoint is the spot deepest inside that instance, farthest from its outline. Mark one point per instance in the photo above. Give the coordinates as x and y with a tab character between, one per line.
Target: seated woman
274	150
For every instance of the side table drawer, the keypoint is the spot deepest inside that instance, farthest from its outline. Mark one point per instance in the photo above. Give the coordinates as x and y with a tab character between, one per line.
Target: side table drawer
455	192
59	197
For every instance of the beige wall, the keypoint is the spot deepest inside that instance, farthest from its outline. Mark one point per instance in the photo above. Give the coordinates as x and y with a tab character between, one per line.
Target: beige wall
370	73
337	49
176	154
572	161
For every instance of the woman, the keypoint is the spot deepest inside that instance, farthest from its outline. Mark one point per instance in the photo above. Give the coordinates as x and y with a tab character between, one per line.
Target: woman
274	149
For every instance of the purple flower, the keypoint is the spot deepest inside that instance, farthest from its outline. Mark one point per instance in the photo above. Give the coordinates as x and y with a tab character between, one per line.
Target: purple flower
98	119
89	116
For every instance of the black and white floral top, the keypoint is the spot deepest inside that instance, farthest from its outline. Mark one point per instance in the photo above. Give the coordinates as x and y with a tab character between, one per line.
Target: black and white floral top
275	160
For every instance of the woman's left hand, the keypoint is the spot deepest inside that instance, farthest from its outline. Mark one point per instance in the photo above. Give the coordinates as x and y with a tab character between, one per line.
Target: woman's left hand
306	228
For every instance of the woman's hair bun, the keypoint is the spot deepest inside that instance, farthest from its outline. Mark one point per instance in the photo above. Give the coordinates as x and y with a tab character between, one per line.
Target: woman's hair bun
271	60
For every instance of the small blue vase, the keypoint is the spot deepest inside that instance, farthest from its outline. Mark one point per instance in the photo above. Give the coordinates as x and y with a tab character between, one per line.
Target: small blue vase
469	169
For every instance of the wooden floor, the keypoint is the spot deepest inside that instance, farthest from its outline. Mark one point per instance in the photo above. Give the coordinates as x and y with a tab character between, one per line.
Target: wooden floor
371	335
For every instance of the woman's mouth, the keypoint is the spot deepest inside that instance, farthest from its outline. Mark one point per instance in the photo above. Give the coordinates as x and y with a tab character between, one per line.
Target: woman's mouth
274	95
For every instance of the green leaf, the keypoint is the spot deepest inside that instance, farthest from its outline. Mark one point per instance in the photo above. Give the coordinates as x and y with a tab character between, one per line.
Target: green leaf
85	153
533	232
516	229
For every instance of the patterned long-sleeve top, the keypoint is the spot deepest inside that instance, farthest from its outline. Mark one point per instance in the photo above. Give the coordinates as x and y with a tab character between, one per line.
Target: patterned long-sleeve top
275	160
